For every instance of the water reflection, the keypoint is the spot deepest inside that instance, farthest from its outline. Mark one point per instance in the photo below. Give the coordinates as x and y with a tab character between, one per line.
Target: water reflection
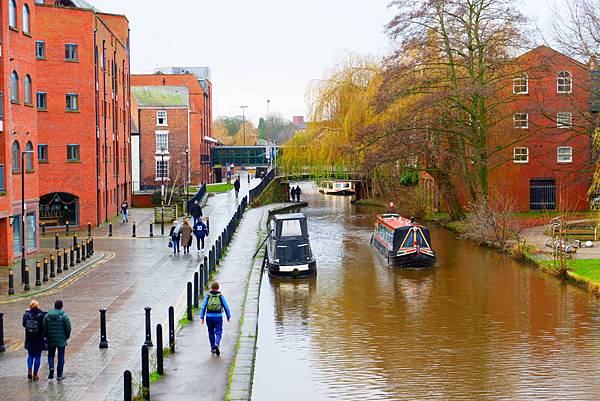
478	326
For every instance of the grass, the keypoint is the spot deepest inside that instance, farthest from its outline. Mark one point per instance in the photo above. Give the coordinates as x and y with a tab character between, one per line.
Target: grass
184	321
154	377
370	202
219	188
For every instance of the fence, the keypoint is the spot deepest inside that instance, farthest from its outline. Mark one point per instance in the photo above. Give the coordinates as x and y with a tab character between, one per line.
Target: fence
257	190
198	197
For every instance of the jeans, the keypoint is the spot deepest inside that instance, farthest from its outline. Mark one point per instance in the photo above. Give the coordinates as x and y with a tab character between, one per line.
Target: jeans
175	246
199	240
215	330
34	360
125	216
61	359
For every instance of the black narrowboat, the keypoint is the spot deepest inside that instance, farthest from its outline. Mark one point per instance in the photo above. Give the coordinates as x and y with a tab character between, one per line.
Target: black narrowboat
402	242
288	248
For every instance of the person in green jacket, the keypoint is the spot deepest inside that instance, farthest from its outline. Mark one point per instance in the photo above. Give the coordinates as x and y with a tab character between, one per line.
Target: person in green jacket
57	326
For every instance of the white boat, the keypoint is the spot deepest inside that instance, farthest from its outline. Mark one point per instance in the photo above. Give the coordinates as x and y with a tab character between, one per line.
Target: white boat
337	187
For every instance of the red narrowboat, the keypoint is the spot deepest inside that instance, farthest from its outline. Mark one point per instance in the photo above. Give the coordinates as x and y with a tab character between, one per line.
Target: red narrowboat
402	242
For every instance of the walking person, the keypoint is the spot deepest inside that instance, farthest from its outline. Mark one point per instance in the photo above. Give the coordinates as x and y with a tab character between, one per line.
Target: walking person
298	192
200	231
236	186
196	211
212	308
125	211
293	194
33	322
186	236
175	236
57	326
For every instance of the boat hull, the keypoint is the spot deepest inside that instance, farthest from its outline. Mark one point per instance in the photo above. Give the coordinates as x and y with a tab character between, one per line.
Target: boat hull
293	271
341	192
410	260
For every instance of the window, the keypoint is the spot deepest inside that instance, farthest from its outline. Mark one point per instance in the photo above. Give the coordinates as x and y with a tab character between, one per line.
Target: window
39	1
16	155
12	14
521	155
162	142
30	227
291	228
26	27
71	52
17	234
43	153
40	50
73	153
2	179
27	86
521	120
564	154
72	102
521	84
42	101
1	109
161	117
29	157
564	120
564	82
14	87
162	169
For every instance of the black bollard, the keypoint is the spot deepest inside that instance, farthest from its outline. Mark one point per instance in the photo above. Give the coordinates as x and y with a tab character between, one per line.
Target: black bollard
162	227
52	270
89	229
45	269
43	228
151	230
67	225
148	341
26	279
83	253
213	253
65	260
75	239
196	300
159	351
206	272
133	230
38	265
201	282
208	224
110	229
217	252
38	274
92	246
145	374
127	386
2	347
172	329
11	282
56	241
58	262
72	259
189	302
103	341
78	253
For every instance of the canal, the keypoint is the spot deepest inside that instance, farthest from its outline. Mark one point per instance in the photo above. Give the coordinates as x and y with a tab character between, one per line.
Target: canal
477	326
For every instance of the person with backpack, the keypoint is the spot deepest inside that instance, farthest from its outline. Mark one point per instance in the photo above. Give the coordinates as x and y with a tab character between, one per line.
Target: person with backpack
175	236
57	326
212	308
125	211
200	232
33	322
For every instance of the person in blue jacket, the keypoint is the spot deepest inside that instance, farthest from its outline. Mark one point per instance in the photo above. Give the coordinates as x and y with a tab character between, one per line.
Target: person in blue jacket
200	232
212	308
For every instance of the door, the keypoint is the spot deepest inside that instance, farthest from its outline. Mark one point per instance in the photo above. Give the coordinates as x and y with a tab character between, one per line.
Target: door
542	194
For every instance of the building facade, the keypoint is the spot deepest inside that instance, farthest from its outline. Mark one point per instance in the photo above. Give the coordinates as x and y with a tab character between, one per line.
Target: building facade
64	101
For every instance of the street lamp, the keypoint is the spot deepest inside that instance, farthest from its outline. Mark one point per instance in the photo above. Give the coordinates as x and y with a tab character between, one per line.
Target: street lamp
162	190
268	133
23	254
187	176
244	121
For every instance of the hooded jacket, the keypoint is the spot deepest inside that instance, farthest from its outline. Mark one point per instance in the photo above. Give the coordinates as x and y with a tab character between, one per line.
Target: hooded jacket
34	342
57	326
224	306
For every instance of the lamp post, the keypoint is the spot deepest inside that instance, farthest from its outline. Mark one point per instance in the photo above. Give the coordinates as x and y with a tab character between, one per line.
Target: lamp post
268	133
23	254
187	176
162	189
244	121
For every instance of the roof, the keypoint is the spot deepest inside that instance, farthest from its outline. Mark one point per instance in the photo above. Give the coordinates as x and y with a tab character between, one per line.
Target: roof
161	96
395	221
77	3
548	49
290	216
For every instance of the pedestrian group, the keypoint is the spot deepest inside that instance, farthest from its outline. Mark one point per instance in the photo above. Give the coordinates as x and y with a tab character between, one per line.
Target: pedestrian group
295	193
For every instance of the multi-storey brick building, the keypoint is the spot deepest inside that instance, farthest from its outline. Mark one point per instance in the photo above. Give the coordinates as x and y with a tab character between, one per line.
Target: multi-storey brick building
65	71
197	81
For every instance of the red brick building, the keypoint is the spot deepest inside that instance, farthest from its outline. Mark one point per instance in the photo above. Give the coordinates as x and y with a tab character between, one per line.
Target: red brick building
65	73
197	81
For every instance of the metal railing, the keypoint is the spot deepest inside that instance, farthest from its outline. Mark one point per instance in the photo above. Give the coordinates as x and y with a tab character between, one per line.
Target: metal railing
257	190
198	197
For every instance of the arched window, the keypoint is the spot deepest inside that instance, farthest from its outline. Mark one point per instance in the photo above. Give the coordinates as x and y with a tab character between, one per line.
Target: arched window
564	82
29	157
27	86
14	87
521	84
16	157
26	27
12	14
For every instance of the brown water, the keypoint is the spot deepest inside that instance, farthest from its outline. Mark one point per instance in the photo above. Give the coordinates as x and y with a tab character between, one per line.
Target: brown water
477	326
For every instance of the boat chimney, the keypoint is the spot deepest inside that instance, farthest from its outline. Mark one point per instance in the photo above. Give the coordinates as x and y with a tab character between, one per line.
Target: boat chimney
412	219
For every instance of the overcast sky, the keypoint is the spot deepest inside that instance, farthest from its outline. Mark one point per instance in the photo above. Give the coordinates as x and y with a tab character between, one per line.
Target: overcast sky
261	49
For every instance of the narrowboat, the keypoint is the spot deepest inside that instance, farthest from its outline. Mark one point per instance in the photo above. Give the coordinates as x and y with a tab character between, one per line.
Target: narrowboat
337	187
288	247
402	242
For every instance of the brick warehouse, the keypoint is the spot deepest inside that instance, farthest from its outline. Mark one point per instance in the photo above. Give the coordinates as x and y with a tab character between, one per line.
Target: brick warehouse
65	69
197	81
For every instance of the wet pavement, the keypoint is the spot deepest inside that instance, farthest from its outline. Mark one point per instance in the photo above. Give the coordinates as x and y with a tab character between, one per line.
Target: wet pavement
142	273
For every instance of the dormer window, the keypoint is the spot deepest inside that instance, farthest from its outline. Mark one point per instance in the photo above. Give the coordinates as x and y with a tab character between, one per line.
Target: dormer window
564	82
521	84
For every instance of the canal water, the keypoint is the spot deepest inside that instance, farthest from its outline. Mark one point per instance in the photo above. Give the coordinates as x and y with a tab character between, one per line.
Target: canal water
478	326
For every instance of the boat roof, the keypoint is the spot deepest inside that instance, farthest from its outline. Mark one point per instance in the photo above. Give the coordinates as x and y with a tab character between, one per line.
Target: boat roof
290	216
395	221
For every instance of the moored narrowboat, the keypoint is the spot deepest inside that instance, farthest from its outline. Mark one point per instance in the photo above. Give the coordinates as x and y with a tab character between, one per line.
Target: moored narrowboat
402	242
288	248
337	187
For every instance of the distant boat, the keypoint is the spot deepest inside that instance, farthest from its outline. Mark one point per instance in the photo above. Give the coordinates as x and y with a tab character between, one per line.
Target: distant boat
403	242
288	249
337	187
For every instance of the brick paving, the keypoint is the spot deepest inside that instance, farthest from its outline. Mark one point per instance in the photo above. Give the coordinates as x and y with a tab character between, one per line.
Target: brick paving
142	273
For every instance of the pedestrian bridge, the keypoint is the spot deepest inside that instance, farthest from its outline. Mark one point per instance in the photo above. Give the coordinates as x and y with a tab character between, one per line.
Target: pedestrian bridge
244	156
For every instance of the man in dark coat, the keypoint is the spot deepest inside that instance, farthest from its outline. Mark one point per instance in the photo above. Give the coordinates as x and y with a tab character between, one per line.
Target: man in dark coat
293	194
196	211
57	326
236	186
298	192
33	322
